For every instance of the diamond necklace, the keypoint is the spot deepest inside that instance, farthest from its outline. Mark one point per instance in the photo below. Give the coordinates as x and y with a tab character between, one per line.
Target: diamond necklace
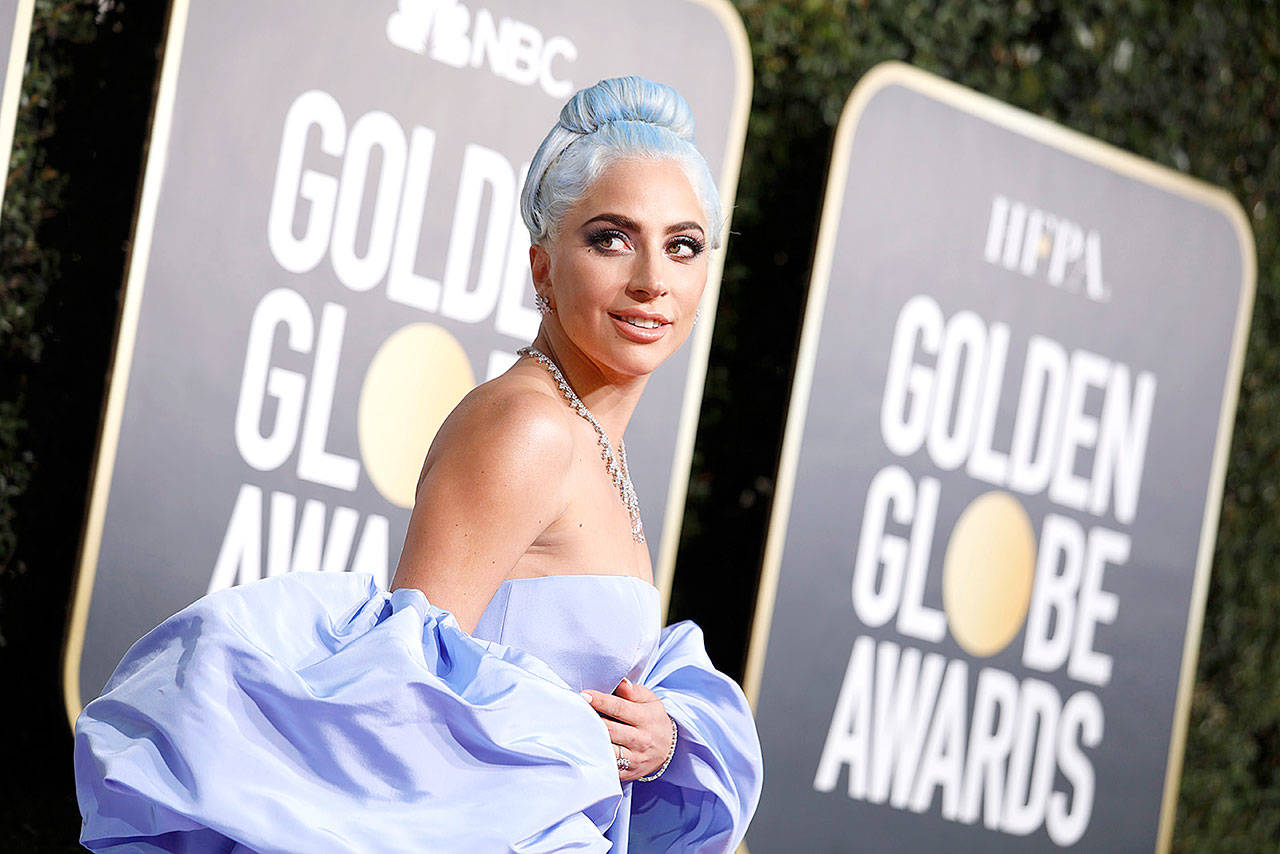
615	464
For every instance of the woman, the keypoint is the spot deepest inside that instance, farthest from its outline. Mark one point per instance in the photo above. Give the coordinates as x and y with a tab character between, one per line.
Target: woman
513	691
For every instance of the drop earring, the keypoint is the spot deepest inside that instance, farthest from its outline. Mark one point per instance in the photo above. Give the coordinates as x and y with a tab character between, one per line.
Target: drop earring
697	312
542	304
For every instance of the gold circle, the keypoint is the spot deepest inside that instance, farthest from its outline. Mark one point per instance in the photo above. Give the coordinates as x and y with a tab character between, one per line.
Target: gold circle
987	573
414	381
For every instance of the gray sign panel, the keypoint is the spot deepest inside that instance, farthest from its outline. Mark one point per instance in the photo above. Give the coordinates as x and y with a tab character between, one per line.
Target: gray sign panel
1003	463
15	31
329	254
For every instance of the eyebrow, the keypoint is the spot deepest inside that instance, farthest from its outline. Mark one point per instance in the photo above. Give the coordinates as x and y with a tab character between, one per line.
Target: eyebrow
630	224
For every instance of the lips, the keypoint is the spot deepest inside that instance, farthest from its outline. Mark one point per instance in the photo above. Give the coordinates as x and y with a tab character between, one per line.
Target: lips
642	319
641	327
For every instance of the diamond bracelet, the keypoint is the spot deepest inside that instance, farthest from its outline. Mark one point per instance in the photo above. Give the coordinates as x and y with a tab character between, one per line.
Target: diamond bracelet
656	774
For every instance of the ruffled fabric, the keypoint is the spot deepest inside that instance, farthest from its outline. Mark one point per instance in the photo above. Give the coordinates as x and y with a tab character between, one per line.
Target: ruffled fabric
704	801
319	713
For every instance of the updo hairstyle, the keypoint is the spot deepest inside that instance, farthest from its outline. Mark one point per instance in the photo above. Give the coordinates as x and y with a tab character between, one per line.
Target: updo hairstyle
616	119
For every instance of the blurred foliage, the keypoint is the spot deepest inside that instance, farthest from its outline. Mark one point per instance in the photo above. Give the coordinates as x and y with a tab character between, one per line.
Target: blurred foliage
32	194
1192	85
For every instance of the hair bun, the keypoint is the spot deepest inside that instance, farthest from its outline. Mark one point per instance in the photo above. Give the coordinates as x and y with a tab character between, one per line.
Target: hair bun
618	117
628	99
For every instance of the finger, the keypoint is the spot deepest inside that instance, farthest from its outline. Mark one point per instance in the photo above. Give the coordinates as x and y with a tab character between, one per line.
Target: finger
626	735
615	707
635	692
597	699
630	772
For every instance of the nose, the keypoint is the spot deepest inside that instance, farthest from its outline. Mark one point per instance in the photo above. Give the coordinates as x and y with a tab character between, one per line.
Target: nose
646	277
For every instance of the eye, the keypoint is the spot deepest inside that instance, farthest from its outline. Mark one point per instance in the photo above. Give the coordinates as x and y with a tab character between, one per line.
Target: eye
607	240
686	247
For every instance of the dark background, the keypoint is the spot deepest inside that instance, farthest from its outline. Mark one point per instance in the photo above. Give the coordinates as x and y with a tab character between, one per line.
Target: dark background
1192	85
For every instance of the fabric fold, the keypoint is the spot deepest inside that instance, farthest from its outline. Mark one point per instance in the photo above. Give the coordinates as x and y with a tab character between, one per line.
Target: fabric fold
704	801
323	714
316	712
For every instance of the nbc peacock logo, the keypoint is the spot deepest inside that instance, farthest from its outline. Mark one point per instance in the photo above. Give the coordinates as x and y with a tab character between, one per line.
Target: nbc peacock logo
449	32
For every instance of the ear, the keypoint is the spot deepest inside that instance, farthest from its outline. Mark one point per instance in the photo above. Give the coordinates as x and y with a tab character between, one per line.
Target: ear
540	267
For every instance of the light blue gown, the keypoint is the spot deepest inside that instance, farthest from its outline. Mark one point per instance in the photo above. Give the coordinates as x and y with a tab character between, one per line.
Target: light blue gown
320	713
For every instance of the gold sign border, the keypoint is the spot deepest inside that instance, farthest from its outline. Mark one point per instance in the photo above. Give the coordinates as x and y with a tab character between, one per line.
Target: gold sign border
1087	148
12	92
135	279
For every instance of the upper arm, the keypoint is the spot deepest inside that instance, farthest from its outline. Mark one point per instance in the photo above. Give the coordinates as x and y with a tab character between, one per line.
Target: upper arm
494	480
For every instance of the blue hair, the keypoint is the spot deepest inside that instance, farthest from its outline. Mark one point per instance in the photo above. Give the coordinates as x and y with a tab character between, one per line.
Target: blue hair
618	118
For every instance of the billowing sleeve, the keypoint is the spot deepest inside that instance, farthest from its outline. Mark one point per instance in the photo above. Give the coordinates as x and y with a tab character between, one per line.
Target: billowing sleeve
704	801
340	719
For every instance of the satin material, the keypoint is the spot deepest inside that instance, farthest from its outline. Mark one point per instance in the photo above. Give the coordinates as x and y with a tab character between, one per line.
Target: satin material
319	713
590	637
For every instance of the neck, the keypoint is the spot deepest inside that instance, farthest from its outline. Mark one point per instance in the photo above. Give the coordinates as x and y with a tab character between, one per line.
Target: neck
611	397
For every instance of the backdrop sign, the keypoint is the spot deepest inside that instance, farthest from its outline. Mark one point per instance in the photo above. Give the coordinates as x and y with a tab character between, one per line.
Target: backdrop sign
328	256
15	31
1000	484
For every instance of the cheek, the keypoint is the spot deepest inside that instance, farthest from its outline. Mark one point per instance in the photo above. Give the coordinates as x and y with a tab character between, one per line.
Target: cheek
587	283
694	284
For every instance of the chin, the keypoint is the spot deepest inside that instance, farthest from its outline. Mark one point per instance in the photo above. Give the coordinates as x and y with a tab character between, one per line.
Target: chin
641	363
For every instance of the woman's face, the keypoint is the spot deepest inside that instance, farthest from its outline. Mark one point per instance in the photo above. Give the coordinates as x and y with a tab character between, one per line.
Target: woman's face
628	266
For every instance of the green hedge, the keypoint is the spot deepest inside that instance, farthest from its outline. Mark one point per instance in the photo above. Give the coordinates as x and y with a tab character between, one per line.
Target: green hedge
32	194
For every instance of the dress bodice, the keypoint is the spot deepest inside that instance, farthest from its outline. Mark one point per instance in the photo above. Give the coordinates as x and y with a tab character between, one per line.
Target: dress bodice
591	629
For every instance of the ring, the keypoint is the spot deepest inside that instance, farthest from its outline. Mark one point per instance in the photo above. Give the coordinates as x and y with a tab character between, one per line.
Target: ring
623	762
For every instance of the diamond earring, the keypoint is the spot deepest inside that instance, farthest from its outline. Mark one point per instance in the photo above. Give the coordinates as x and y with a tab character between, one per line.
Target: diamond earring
542	304
697	312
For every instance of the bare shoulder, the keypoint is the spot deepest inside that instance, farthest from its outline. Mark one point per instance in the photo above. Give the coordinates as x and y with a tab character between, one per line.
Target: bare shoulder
496	477
510	429
507	435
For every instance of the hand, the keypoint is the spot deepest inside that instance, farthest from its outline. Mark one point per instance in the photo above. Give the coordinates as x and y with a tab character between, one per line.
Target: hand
637	724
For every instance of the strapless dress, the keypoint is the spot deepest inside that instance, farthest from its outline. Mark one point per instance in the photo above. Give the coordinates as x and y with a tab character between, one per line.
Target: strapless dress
319	713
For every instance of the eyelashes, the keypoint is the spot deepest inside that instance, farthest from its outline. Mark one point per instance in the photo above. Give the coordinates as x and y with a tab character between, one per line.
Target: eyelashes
695	245
602	238
684	247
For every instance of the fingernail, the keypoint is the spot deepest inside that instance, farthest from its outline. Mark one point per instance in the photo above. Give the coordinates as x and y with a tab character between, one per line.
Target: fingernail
626	681
585	696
